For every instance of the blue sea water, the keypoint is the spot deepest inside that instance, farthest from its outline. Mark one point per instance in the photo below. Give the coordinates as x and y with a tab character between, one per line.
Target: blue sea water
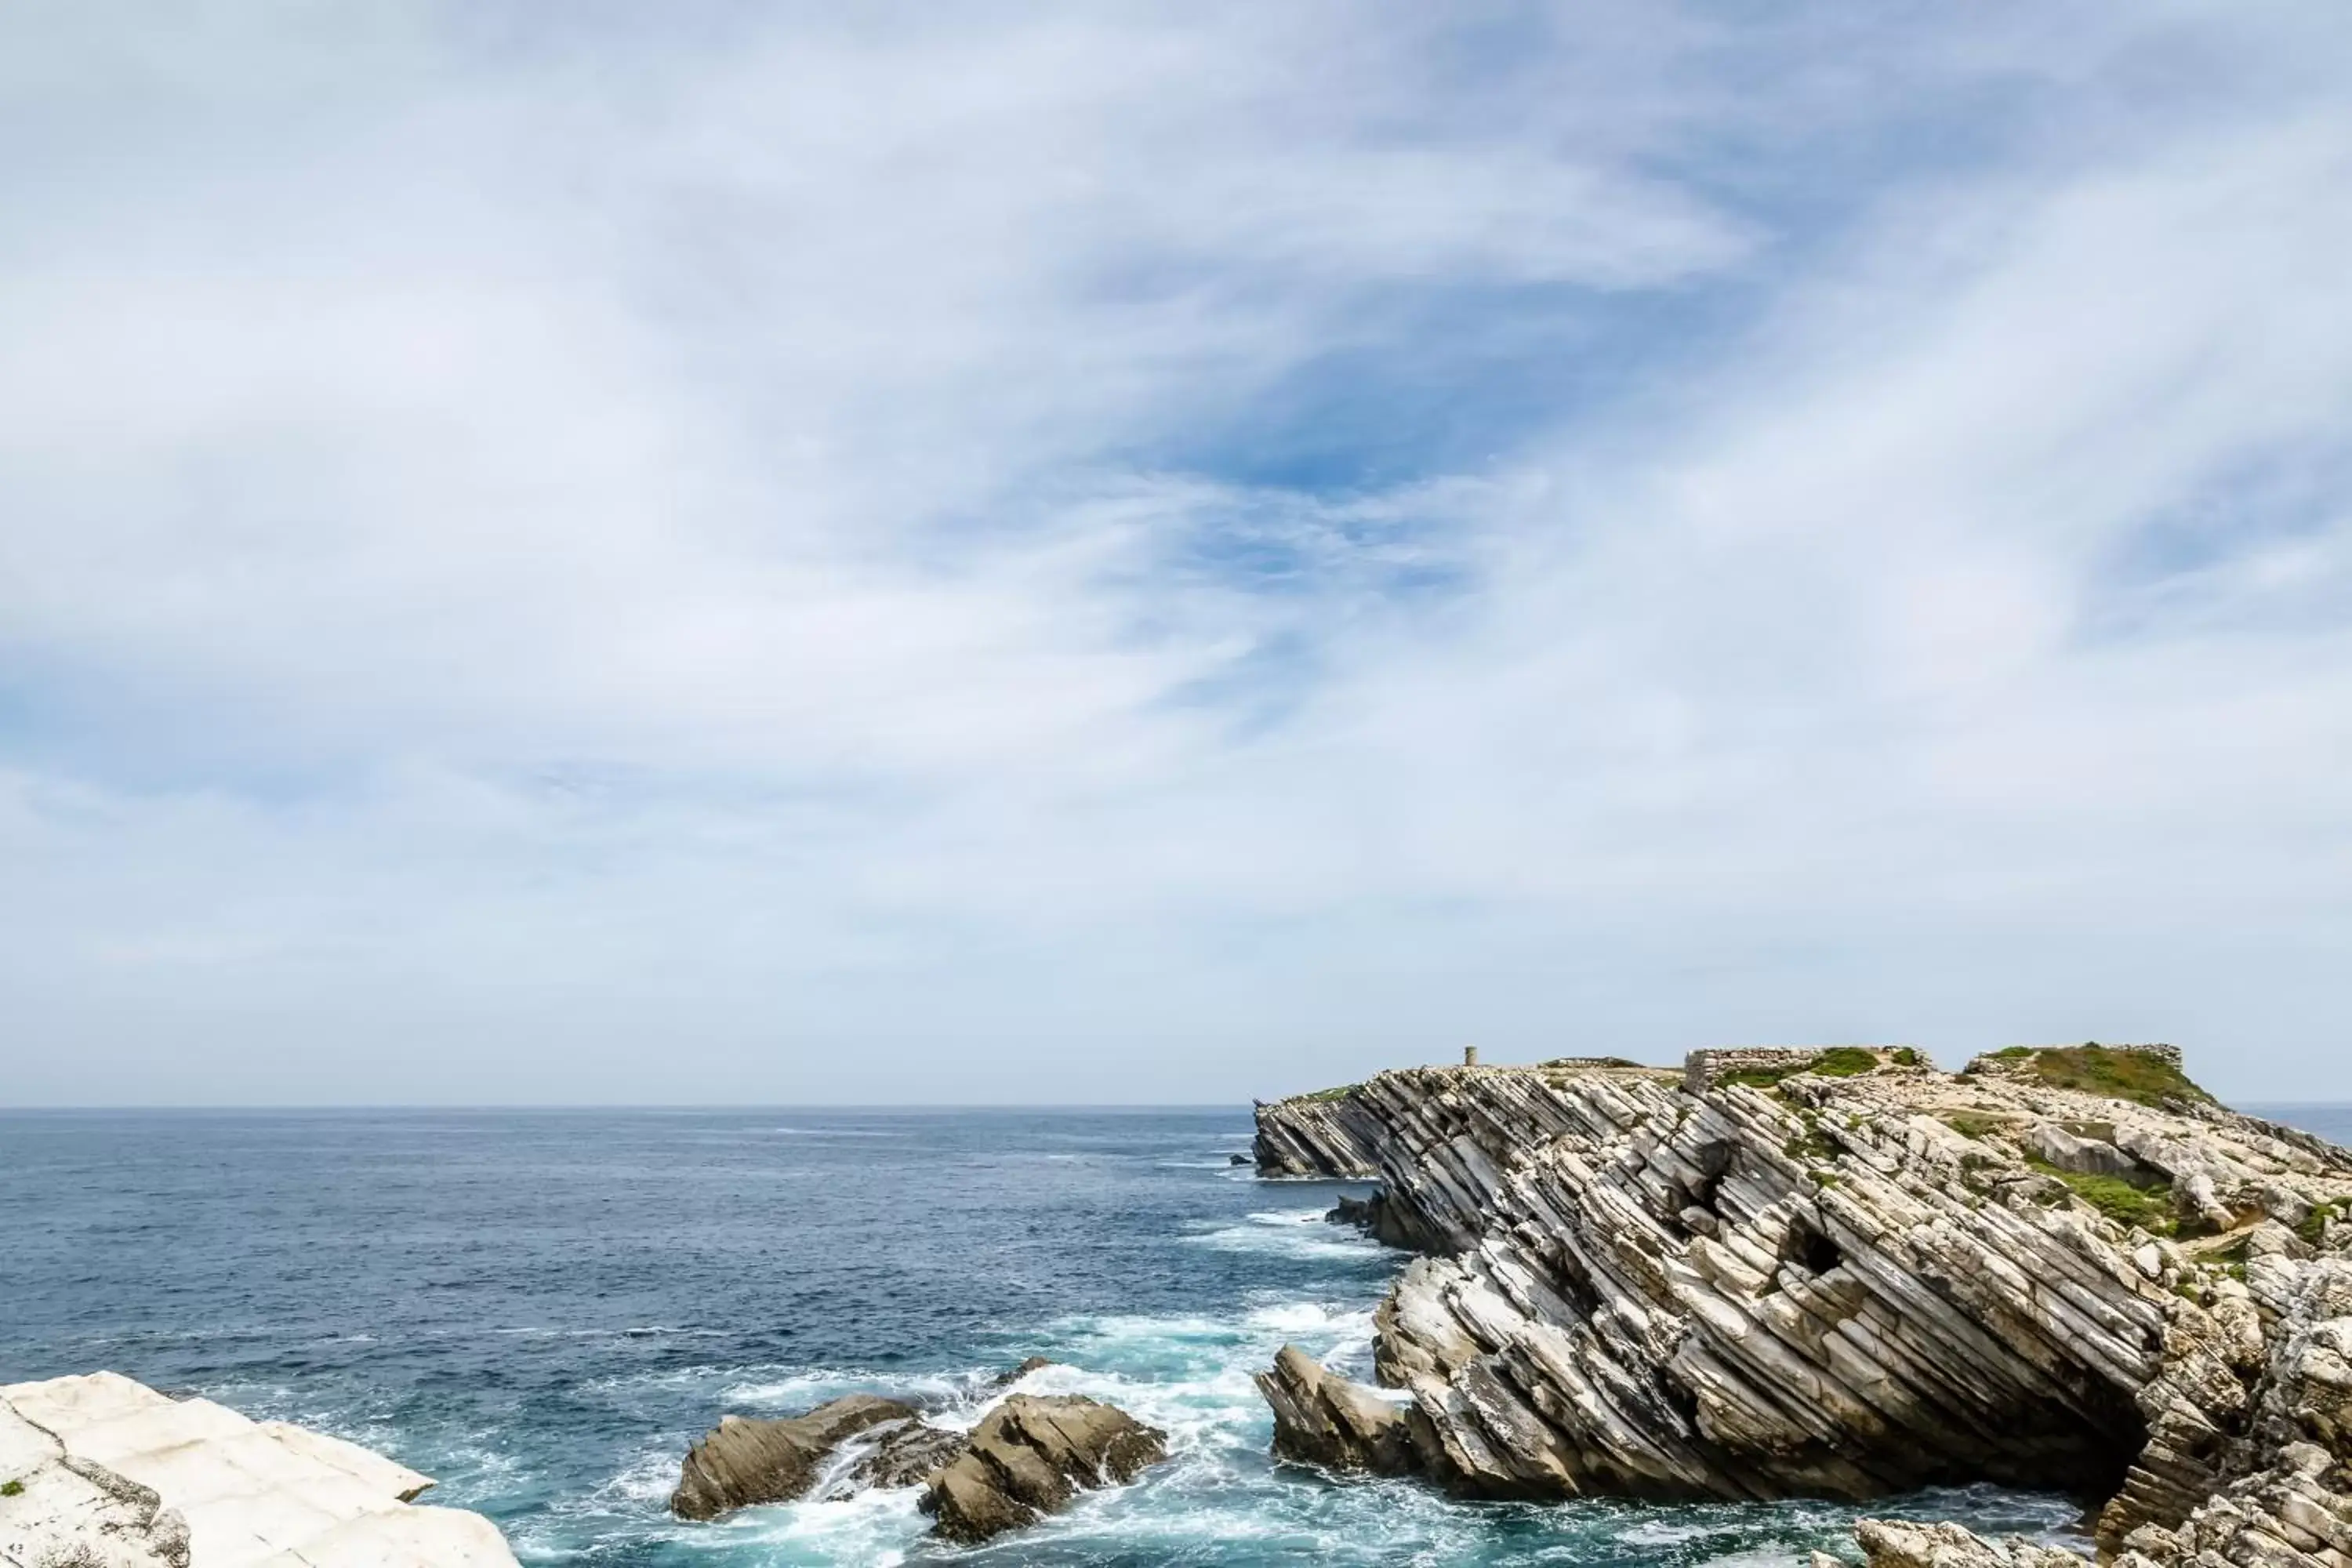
545	1308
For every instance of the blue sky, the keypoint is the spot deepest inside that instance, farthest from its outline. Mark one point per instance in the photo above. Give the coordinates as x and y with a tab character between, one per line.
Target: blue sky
1163	552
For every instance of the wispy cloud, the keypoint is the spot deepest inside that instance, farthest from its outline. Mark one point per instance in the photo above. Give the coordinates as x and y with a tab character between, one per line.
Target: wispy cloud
1150	552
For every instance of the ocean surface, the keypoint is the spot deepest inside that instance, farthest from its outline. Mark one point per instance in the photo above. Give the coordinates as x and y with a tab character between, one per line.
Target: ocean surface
545	1308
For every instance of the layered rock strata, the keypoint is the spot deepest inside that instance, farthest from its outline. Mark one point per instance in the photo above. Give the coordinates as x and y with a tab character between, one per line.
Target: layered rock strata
1030	1457
98	1472
1844	1276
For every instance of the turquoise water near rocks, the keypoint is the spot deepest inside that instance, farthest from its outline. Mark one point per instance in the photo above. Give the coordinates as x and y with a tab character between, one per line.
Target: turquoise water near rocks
545	1308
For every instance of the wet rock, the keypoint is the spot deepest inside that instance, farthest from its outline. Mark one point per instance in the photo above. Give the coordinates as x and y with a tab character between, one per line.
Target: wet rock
1031	1364
1332	1423
898	1454
1030	1457
744	1461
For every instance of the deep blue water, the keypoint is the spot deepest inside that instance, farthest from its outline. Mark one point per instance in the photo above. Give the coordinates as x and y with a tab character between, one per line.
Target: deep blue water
545	1308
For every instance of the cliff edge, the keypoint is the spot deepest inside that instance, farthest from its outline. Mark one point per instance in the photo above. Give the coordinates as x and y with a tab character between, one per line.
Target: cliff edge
1844	1273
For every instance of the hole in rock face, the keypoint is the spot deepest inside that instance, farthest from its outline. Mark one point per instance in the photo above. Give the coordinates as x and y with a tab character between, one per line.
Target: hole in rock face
1713	1160
1810	1248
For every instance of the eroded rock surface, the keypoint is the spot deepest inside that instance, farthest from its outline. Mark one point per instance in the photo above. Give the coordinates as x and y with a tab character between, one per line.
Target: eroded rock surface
1030	1457
1853	1282
100	1471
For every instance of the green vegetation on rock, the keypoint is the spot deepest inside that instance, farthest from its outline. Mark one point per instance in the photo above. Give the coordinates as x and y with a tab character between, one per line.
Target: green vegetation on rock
1321	1095
1971	1126
2147	1205
1843	1061
2118	1074
12	1489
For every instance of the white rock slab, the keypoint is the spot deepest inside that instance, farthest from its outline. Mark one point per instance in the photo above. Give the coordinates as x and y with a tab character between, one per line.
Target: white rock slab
133	1480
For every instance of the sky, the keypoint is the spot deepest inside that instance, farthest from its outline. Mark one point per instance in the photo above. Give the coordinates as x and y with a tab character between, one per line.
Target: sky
725	554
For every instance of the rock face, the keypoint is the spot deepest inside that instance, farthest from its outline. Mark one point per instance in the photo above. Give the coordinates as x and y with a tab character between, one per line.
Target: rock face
743	1462
1317	1135
1329	1421
1845	1276
100	1471
1030	1457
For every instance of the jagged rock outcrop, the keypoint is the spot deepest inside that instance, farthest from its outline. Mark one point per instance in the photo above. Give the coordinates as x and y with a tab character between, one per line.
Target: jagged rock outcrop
1851	1277
1030	1457
743	1461
98	1472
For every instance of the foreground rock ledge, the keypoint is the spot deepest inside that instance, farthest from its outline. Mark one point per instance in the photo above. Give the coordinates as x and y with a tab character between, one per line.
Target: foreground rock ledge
1843	1273
98	1472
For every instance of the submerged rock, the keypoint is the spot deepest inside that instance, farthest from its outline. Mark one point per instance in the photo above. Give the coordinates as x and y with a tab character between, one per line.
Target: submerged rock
743	1461
1030	1457
1843	1273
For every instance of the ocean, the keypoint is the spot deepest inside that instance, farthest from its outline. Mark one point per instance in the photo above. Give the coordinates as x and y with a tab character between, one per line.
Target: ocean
544	1310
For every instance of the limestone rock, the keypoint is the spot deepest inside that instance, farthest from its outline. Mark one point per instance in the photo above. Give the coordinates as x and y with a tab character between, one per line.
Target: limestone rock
741	1461
1029	1456
108	1473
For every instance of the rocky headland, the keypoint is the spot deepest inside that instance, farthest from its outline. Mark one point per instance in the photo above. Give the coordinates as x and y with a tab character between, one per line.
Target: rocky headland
1843	1273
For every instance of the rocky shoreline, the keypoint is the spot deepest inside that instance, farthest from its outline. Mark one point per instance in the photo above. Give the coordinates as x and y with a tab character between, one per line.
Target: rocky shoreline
1845	1274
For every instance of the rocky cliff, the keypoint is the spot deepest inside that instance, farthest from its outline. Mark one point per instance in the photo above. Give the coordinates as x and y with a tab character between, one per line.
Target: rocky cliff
1847	1274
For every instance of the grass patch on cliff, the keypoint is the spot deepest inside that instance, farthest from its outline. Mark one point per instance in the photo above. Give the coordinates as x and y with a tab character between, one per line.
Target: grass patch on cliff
1321	1095
2149	1205
1838	1061
12	1489
1970	1125
2135	1076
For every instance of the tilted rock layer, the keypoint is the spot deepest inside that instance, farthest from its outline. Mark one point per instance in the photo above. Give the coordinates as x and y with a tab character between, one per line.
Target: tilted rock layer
2060	1269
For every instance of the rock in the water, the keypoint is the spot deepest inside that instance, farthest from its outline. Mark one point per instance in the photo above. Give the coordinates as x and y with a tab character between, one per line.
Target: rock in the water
1845	1273
1030	1457
744	1461
1329	1421
100	1471
1033	1363
898	1454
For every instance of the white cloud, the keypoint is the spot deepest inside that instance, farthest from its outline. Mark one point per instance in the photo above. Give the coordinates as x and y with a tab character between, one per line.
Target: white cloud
532	549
